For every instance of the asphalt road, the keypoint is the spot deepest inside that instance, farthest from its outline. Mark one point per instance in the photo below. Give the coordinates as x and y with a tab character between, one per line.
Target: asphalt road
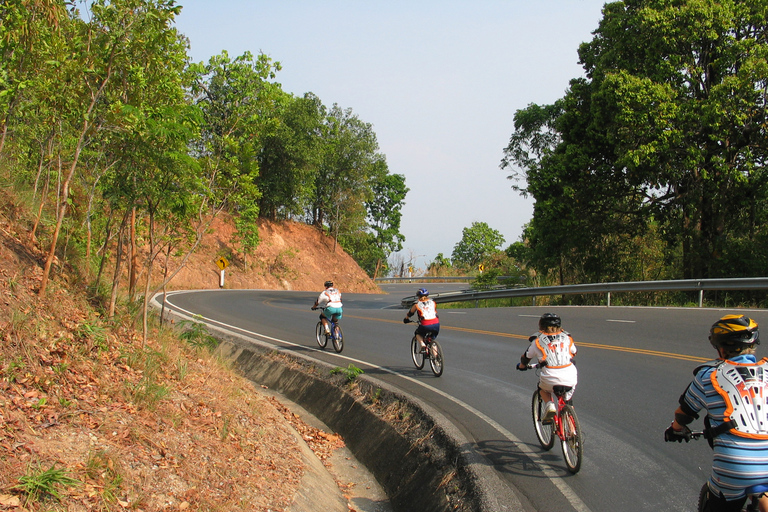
633	365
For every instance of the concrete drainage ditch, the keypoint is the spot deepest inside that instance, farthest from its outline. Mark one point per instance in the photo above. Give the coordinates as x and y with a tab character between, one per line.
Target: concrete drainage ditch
420	459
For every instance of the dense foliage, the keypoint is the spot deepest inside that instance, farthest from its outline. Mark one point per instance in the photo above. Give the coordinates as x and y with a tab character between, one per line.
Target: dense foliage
654	164
126	144
478	242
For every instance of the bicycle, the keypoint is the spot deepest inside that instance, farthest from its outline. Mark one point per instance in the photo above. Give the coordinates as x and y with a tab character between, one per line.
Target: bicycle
336	335
565	425
754	492
433	352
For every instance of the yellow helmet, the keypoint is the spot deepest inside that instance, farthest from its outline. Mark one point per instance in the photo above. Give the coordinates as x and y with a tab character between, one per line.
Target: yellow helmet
734	330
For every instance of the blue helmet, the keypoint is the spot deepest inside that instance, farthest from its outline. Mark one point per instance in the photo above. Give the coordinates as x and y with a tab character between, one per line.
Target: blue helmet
422	292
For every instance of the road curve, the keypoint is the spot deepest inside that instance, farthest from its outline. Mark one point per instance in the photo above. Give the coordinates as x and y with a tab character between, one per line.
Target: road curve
633	365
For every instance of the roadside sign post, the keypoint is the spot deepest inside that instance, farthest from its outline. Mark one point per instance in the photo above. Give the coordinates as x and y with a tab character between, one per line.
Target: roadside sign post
222	263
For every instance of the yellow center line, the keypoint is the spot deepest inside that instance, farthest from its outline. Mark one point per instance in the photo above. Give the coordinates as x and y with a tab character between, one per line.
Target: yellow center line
656	353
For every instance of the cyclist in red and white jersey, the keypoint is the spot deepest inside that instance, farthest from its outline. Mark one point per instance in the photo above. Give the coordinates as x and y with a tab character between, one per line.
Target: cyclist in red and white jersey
554	349
426	309
330	299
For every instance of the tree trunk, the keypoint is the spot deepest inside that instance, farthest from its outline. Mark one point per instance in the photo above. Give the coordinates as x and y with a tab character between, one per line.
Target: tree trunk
150	262
62	211
118	261
134	257
107	235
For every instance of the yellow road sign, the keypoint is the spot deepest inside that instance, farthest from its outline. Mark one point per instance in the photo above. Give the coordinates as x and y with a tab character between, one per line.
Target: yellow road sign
222	262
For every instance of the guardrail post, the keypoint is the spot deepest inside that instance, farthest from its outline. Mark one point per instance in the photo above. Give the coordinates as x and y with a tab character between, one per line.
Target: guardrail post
609	299
701	297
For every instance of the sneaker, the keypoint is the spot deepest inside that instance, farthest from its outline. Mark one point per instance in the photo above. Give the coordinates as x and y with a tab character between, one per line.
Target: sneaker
549	412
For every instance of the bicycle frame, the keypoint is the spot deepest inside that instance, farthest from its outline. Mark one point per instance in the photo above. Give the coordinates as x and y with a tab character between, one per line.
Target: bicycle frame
558	419
432	353
336	334
564	426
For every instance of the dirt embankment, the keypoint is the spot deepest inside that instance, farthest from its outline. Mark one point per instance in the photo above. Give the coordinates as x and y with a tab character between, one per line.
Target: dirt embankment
291	256
123	424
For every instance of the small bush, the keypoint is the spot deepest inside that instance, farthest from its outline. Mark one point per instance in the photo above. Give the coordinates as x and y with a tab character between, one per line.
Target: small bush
350	372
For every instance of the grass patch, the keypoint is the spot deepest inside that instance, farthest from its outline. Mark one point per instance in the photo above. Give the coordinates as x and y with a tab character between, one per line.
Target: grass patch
197	335
102	469
41	484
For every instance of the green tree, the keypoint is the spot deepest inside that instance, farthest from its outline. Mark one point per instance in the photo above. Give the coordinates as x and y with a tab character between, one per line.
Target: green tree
477	242
30	36
439	266
349	160
382	237
667	129
101	60
238	103
290	157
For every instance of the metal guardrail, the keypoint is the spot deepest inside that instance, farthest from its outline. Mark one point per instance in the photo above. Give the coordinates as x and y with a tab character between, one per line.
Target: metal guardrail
430	279
700	285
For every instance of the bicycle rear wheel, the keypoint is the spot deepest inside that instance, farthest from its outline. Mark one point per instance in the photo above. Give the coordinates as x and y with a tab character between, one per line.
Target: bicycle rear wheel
320	335
338	338
436	358
544	432
703	498
572	439
417	354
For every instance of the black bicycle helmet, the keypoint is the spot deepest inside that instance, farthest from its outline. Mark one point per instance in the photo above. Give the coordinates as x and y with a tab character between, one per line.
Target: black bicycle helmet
328	284
733	331
422	292
549	320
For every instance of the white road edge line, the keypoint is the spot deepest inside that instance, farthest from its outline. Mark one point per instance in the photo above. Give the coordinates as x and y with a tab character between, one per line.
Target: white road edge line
558	482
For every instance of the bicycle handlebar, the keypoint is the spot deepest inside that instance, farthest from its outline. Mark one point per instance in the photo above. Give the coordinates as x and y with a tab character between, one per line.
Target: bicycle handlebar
685	435
530	366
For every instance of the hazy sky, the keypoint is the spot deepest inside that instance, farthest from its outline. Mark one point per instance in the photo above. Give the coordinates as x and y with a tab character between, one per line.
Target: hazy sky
439	80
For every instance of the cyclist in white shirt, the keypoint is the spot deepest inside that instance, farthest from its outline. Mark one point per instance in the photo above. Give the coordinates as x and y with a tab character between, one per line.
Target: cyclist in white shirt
330	300
554	349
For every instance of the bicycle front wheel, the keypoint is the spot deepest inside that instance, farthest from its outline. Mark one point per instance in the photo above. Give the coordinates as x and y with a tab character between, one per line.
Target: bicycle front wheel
417	354
572	439
544	432
436	358
338	338
320	335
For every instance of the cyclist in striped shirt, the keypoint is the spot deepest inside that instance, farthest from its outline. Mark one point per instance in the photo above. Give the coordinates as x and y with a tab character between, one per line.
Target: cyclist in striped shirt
733	392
